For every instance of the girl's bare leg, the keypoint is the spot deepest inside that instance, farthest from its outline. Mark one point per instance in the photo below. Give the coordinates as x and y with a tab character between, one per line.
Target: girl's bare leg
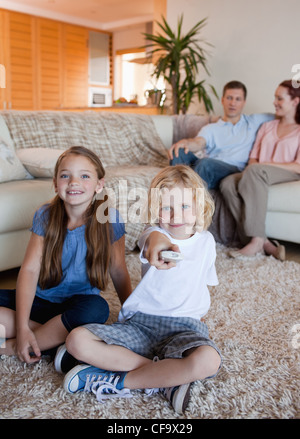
8	330
49	335
8	322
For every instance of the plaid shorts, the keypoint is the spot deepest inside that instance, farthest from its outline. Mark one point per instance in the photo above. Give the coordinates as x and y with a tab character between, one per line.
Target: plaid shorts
151	335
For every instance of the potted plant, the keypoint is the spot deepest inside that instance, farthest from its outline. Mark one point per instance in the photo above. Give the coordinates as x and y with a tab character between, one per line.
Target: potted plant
155	96
178	61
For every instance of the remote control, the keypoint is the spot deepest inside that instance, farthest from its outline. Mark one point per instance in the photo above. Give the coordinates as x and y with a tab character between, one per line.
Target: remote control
169	256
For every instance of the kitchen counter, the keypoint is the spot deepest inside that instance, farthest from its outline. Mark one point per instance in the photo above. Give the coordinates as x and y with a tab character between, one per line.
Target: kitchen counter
120	108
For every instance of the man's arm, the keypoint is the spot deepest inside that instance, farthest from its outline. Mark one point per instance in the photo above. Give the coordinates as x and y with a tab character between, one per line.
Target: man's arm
195	144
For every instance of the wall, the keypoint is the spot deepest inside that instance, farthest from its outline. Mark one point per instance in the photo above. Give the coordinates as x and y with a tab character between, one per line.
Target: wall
256	42
123	39
129	37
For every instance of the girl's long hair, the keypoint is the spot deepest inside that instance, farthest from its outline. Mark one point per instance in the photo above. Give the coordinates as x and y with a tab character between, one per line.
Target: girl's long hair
97	234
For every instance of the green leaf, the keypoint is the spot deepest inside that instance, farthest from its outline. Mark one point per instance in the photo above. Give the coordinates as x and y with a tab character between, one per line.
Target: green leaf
179	60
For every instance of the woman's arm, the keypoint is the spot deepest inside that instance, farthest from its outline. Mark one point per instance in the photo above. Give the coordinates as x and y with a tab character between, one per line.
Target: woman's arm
118	270
25	292
252	162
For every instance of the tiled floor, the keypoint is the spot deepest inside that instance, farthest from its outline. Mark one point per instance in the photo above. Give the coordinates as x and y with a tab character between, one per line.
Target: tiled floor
8	278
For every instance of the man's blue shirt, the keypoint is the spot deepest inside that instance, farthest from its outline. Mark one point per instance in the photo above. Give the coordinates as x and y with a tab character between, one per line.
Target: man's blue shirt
232	143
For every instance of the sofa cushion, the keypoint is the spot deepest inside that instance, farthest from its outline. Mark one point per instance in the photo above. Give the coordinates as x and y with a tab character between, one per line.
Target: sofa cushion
39	162
284	197
5	134
10	166
19	201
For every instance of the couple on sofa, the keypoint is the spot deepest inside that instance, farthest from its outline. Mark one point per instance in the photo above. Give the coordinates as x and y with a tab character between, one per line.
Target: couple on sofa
220	155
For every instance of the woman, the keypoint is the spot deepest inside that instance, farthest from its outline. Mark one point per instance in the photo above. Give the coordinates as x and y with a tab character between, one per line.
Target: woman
275	158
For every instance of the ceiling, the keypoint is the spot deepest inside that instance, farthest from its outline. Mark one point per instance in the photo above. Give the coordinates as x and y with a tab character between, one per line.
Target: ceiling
103	14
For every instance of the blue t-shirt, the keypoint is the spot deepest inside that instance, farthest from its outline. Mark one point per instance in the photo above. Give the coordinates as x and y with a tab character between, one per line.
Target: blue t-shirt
232	143
74	279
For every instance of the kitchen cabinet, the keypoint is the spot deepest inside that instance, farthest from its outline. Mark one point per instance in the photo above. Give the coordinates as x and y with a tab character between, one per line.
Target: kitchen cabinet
18	57
75	66
46	63
49	64
3	73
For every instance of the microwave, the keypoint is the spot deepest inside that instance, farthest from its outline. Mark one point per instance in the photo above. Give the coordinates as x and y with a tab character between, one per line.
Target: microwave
100	97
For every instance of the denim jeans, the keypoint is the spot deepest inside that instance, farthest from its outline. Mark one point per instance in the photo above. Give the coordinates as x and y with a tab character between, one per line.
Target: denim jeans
212	171
79	310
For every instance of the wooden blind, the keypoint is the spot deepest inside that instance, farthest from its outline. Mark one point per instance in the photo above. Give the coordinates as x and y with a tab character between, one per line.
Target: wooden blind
75	65
22	54
49	64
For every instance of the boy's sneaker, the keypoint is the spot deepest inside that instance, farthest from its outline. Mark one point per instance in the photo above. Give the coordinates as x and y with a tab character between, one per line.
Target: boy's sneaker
102	383
63	361
178	396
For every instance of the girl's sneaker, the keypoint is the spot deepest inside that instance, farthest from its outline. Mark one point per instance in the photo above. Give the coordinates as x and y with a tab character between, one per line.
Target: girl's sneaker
102	383
63	361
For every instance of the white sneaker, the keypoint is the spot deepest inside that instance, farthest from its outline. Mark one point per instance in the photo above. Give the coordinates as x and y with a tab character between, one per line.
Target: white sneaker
178	396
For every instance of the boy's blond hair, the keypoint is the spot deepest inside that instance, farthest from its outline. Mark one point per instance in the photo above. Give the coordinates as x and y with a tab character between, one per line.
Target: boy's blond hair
169	178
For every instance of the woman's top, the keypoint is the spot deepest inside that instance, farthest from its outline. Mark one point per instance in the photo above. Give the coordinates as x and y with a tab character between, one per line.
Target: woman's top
269	148
75	278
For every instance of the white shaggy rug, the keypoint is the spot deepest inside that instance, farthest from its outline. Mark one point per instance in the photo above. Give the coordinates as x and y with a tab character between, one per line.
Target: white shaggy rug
255	321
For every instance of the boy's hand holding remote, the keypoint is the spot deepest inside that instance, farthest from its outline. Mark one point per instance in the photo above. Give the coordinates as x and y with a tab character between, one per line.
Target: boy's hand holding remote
156	243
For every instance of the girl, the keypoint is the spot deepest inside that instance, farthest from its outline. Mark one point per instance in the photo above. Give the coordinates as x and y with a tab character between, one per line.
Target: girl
161	318
275	158
66	263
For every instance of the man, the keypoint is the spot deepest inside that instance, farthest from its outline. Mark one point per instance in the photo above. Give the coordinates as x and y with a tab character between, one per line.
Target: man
221	148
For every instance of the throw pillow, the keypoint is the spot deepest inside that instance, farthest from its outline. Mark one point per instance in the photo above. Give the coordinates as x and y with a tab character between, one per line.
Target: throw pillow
10	166
39	162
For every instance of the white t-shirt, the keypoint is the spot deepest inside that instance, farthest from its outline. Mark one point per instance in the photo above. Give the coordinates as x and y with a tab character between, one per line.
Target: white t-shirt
180	291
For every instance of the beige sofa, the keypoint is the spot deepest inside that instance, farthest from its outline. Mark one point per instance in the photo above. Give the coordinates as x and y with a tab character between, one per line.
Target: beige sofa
132	149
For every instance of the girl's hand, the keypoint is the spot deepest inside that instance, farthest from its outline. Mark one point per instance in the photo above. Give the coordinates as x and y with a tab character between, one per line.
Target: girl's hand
27	347
155	243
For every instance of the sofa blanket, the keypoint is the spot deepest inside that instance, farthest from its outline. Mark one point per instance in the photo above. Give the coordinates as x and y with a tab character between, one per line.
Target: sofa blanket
115	141
130	149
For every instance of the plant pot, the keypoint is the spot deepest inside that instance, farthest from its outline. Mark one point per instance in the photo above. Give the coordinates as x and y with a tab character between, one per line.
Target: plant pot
154	97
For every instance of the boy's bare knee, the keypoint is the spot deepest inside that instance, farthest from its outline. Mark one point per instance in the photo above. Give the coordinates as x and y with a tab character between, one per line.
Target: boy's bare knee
208	361
75	341
215	362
